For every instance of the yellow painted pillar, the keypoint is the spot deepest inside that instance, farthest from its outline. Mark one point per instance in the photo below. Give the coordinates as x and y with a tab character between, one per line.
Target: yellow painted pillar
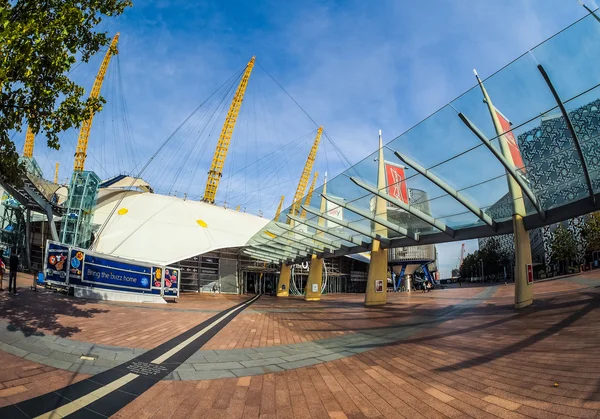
312	292
523	290
283	286
315	279
376	292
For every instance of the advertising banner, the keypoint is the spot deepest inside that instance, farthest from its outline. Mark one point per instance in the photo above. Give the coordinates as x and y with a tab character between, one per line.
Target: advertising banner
395	181
116	274
76	266
57	262
512	141
171	282
335	211
157	279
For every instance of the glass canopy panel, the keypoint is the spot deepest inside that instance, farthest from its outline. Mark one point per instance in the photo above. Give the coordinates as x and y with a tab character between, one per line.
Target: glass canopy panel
544	153
572	58
518	92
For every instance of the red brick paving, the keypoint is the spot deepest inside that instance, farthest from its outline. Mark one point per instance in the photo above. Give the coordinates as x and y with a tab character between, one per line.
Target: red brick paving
490	362
21	379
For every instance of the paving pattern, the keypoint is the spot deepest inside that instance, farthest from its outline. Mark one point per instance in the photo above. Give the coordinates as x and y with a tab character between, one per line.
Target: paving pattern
460	352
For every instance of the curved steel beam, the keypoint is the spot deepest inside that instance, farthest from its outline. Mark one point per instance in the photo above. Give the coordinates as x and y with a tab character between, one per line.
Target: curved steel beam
383	240
569	123
339	234
449	190
406	207
370	216
323	240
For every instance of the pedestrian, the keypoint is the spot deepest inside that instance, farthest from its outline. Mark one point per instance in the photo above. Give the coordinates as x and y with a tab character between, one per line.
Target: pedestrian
2	270
214	289
13	265
459	282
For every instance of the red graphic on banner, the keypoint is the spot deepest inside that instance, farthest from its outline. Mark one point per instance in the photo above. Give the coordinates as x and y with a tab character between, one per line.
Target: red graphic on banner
512	141
394	176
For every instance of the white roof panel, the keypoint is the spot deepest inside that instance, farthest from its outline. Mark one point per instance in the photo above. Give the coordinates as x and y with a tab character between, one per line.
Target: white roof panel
165	229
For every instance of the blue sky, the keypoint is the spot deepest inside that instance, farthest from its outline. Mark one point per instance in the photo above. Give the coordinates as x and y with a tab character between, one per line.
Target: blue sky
354	66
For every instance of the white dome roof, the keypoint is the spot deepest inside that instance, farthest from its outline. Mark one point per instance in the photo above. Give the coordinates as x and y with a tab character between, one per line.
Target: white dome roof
165	229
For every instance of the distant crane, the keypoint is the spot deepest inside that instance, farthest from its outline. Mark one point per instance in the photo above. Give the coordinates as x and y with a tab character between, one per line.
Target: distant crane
84	132
303	183
278	212
29	141
56	174
216	167
309	194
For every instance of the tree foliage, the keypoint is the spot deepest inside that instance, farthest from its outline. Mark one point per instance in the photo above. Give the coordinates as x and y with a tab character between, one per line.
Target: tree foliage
39	43
591	231
493	257
564	247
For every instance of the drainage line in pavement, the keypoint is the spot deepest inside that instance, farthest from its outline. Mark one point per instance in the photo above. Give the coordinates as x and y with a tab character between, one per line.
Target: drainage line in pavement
104	394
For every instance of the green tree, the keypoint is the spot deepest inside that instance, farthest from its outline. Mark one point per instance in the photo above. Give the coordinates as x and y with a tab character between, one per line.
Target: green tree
39	43
591	231
564	247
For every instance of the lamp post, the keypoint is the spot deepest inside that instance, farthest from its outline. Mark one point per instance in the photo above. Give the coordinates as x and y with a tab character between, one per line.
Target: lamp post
481	260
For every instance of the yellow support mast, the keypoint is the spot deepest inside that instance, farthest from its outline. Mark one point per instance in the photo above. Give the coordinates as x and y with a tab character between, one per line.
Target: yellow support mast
56	174
278	212
306	173
309	194
29	141
84	133
216	167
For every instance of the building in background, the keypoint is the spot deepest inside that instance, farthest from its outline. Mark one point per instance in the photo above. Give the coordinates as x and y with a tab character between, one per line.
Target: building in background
556	176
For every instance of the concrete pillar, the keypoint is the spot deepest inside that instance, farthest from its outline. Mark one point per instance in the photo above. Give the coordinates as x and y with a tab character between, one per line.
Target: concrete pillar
315	279
376	292
523	290
283	285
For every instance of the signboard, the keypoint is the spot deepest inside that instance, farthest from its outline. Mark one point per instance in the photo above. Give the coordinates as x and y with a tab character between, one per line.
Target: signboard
335	211
76	266
395	181
511	140
529	274
171	282
57	263
157	279
116	274
315	288
378	285
72	266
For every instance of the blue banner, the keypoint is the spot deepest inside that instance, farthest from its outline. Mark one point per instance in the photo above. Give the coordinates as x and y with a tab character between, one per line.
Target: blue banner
113	274
76	266
57	262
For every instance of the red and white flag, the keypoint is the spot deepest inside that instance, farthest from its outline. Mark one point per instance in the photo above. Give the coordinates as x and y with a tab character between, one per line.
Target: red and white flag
511	140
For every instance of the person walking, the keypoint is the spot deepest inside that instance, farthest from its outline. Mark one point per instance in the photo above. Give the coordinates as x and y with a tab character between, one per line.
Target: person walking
2	270
13	265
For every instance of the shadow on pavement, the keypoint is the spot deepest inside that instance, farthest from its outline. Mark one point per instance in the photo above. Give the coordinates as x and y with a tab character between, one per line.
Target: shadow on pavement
38	313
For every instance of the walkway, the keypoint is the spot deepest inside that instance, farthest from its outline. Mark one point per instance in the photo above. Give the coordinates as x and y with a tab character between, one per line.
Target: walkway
460	352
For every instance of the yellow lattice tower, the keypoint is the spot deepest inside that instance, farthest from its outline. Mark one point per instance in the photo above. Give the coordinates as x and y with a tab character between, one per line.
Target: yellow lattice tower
310	161
84	133
278	212
216	167
56	174
29	141
309	194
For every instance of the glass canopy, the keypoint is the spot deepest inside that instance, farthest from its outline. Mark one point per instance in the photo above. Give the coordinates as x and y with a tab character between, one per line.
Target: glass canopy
556	157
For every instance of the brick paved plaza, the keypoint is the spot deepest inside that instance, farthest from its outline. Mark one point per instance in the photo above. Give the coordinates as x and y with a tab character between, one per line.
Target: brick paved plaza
457	352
